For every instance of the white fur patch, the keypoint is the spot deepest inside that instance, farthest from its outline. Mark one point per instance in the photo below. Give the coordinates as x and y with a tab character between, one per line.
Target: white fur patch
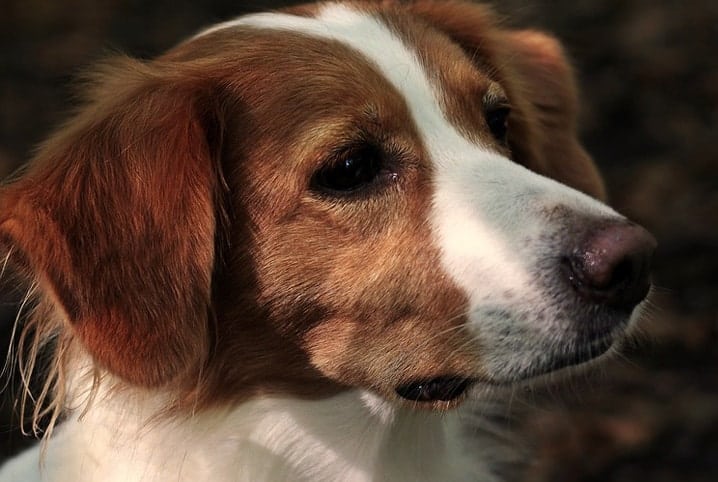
350	437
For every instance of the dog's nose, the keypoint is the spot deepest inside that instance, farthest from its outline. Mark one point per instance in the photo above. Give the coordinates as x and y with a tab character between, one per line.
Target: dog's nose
611	265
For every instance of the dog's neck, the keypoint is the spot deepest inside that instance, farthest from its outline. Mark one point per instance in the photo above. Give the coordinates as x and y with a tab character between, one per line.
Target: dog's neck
352	436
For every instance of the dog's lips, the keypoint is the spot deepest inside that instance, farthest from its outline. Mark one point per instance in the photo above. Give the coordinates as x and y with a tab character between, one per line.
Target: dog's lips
580	356
439	389
451	388
583	355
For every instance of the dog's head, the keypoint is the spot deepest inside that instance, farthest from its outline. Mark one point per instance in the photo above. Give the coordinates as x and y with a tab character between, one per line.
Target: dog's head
383	196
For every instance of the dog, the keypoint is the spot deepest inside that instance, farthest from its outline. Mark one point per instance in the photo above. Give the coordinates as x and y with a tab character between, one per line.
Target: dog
306	244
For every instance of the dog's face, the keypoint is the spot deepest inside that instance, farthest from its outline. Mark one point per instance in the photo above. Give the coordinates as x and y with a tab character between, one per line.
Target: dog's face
337	196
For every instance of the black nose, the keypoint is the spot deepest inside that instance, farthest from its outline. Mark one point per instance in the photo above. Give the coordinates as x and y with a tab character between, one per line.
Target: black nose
611	265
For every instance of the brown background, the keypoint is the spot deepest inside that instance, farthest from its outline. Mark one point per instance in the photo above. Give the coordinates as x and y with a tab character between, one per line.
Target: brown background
649	72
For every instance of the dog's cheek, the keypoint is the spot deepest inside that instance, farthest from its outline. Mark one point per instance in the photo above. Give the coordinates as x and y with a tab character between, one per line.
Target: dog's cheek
377	357
392	320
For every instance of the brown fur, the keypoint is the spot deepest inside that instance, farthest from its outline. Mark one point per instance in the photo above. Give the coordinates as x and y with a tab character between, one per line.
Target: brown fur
115	214
172	226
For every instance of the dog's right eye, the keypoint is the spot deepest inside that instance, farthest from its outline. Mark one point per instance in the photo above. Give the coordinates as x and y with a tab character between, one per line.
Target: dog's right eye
350	171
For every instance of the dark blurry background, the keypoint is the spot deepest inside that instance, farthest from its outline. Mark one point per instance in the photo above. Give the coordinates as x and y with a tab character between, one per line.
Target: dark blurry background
649	74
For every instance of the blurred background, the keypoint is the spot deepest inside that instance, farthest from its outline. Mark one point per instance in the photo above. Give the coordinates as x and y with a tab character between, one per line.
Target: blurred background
649	76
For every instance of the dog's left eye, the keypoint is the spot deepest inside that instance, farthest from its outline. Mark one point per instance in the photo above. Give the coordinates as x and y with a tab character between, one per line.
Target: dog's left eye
350	172
498	121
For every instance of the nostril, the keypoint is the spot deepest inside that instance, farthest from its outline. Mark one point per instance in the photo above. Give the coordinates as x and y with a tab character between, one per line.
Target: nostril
623	274
611	265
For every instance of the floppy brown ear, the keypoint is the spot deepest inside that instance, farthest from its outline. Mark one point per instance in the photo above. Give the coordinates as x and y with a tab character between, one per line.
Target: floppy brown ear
115	220
544	77
533	69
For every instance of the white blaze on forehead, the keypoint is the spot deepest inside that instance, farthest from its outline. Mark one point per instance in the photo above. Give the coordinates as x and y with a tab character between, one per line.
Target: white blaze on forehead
371	37
485	207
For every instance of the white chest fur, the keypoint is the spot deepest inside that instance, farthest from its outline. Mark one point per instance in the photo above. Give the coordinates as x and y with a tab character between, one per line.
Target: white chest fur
352	437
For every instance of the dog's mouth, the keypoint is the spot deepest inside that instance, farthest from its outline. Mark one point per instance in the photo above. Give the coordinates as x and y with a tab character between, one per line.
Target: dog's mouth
439	389
580	356
450	388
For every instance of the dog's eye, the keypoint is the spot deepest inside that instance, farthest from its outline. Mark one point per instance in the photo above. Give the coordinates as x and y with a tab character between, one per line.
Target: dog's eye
498	121
350	172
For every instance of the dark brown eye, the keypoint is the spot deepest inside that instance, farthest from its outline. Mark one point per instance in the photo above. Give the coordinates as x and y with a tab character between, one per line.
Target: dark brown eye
498	121
351	171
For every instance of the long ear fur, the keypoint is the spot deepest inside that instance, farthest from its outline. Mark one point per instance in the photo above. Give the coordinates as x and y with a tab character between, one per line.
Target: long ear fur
115	220
540	83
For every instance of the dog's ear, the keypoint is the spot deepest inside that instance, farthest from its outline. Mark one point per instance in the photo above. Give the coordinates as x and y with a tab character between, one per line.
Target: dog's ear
533	69
541	74
115	221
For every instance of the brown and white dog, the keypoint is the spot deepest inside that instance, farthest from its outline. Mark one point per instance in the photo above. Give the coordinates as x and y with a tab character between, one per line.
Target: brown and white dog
304	245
